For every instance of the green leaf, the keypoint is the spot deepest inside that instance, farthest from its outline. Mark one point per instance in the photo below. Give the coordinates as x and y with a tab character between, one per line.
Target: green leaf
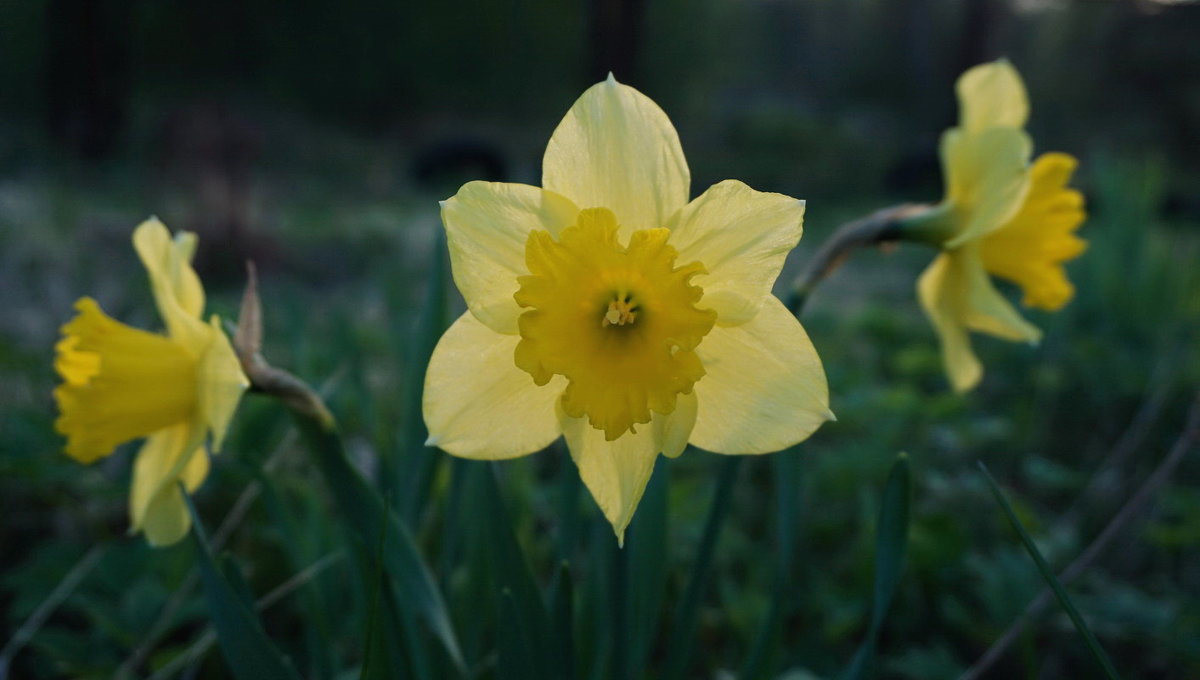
364	514
418	462
787	499
891	542
381	635
512	574
561	659
647	570
249	652
1093	644
683	632
518	658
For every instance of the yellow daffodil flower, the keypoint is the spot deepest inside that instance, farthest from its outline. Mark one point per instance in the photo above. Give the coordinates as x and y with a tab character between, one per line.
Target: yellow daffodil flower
607	308
1000	216
121	383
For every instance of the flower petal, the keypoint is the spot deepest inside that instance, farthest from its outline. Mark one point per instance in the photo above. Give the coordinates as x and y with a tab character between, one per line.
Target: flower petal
219	384
742	238
764	388
987	178
177	289
615	472
943	296
478	404
487	224
616	149
957	295
992	95
673	430
988	311
166	458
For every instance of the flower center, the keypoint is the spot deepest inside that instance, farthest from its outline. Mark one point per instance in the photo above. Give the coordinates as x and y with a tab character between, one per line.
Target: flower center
621	311
620	323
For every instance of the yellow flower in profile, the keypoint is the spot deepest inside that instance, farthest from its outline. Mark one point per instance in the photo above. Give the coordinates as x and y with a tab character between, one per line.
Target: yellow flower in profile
1000	216
121	383
607	308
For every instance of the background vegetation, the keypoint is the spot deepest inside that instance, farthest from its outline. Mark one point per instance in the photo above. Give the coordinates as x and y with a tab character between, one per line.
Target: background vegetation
316	139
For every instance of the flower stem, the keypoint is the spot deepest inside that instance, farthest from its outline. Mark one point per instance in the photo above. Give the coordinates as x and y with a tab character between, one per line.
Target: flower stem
881	226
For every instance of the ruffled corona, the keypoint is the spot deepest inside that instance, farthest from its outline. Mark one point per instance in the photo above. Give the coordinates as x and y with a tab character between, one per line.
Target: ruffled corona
619	322
120	383
1030	249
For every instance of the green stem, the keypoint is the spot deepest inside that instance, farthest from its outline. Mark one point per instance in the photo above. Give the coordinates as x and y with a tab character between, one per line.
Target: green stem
881	226
364	512
683	632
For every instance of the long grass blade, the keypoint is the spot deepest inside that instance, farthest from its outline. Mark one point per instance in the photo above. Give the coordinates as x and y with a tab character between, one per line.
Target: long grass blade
1093	644
683	630
561	659
646	570
418	463
518	655
365	515
513	577
249	652
787	500
891	542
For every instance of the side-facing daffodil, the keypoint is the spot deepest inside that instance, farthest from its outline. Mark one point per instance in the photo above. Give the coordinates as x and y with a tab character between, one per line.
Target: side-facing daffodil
1000	216
121	383
607	308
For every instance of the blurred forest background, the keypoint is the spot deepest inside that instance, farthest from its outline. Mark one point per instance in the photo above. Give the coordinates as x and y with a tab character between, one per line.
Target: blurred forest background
316	139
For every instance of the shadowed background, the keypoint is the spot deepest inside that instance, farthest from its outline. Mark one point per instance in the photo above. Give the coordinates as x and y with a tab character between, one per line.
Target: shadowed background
316	139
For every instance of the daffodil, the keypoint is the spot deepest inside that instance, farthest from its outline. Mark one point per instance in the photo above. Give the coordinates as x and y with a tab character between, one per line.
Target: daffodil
121	383
607	308
1000	216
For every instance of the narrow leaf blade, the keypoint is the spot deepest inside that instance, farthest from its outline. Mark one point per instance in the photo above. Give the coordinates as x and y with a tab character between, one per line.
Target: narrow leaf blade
1051	579
891	543
246	647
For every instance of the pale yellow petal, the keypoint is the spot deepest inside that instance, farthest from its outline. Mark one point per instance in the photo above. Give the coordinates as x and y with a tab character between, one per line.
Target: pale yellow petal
992	95
764	388
673	430
219	384
176	288
987	178
164	460
487	224
943	296
166	518
478	404
742	238
196	470
958	296
987	310
614	472
616	149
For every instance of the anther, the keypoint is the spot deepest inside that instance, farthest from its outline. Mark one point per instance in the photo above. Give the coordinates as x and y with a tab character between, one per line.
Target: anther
620	313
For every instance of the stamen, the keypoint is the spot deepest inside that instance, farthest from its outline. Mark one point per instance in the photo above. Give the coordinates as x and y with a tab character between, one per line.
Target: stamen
620	312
